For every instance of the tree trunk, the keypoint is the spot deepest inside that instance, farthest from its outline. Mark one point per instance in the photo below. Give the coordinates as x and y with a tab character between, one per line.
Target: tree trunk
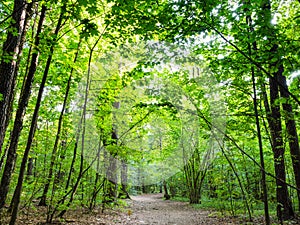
97	178
29	12
292	132
195	173
8	65
259	136
111	170
71	170
166	193
18	124
111	173
284	206
112	180
123	192
78	132
30	166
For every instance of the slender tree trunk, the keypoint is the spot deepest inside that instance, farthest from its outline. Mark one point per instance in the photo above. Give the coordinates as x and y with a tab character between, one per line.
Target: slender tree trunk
71	170
259	137
18	124
78	132
111	170
98	175
261	153
75	187
11	50
3	157
41	90
239	181
51	212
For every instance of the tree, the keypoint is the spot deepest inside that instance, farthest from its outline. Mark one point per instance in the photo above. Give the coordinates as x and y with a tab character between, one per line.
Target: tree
18	124
12	49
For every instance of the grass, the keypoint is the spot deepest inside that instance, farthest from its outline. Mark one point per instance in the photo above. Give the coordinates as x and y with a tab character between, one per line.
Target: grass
180	199
236	208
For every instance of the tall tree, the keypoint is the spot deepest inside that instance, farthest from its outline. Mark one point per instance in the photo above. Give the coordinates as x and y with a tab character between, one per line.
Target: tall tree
291	129
8	66
18	124
284	206
43	82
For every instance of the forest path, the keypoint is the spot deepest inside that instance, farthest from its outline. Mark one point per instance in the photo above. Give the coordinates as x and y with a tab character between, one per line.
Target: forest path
152	209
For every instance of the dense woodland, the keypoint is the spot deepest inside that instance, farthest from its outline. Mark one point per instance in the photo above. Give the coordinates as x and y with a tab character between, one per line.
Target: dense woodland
198	99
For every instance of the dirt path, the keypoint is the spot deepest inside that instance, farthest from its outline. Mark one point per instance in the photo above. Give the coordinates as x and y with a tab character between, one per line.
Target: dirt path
154	210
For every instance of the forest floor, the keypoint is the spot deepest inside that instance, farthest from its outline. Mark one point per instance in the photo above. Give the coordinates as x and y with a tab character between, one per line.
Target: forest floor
154	210
149	209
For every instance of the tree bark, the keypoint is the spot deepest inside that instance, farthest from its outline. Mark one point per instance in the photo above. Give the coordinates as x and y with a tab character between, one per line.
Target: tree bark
284	206
8	66
166	193
29	12
111	173
292	131
124	170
